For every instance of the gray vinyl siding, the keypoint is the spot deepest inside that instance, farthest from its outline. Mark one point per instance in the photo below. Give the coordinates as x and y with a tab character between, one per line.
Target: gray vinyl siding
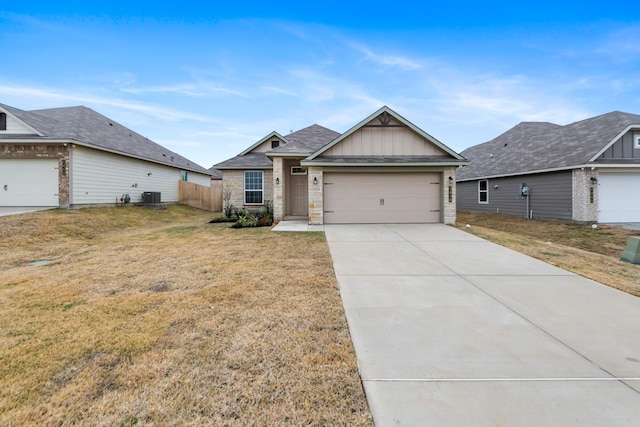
623	148
98	177
551	196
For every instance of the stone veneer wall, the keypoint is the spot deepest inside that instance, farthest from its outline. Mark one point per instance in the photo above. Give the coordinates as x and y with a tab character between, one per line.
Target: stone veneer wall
316	205
449	209
278	189
233	181
44	151
582	208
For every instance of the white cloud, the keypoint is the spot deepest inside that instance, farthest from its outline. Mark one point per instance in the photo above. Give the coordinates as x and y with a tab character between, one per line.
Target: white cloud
36	97
389	61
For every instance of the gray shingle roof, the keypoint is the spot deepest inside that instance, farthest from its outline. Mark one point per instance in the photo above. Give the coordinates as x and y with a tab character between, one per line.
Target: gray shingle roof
215	173
246	161
307	140
533	146
303	142
87	127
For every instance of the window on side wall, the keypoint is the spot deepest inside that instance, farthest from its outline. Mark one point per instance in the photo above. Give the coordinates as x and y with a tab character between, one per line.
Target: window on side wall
483	191
3	121
253	187
184	176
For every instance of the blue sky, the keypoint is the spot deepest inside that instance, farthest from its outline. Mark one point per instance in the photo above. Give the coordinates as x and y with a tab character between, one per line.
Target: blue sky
207	79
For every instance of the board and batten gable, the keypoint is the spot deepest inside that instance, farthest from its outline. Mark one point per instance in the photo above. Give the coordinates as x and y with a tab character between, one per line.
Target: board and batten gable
550	195
100	177
625	148
395	139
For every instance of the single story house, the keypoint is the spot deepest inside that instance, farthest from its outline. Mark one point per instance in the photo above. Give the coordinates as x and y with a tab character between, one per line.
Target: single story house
383	170
74	156
587	172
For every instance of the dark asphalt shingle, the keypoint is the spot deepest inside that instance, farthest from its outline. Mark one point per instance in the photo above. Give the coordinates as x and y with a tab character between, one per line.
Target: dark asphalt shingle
532	146
90	128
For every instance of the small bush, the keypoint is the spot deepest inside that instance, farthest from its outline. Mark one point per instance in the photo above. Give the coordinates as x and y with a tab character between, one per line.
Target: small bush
260	218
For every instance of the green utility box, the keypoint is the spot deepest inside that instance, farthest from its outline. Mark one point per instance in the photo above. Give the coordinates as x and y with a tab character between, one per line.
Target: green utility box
632	251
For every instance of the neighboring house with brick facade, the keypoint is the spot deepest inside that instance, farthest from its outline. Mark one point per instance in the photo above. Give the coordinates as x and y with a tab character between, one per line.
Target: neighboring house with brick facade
383	170
74	156
588	171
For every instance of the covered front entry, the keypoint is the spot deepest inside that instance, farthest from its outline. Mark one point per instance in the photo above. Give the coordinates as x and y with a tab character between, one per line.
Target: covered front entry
377	198
29	182
618	197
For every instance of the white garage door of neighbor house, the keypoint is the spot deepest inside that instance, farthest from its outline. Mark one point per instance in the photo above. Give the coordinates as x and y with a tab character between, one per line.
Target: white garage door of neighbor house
28	182
378	198
618	197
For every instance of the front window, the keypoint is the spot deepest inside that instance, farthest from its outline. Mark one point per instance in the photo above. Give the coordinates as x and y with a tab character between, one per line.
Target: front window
253	187
483	191
275	143
3	121
636	141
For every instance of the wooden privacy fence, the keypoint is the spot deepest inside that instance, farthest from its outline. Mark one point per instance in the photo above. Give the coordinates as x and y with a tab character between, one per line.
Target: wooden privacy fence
200	196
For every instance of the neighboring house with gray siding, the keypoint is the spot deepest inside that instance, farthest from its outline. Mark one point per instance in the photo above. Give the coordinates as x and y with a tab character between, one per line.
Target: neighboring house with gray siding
74	156
588	171
383	170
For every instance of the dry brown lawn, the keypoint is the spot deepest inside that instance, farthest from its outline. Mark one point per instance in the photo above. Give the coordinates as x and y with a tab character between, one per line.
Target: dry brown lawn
592	253
146	317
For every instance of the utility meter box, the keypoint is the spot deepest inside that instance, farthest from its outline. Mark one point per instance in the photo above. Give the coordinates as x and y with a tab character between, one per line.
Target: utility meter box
632	251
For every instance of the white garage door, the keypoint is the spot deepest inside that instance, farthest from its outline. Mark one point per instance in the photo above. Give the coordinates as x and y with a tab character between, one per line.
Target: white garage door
377	198
618	197
28	182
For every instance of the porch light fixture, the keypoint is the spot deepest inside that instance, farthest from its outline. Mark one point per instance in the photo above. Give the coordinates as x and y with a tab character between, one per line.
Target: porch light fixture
315	180
594	180
277	181
450	180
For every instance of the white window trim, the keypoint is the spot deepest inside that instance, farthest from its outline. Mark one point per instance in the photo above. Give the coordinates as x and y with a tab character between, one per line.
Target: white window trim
244	198
636	141
300	170
483	191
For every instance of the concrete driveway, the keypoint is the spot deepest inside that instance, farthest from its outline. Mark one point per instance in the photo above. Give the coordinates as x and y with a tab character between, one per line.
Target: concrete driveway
452	330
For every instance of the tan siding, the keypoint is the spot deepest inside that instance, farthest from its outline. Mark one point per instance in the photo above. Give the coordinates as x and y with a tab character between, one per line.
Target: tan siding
384	141
265	146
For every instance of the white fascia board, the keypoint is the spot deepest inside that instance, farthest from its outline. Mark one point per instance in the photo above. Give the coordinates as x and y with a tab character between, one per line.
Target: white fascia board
276	154
613	141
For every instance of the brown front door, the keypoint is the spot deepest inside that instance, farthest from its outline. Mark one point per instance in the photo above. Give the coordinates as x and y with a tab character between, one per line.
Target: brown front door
299	195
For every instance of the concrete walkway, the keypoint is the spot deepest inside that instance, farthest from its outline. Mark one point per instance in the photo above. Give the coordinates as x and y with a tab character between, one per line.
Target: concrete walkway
452	330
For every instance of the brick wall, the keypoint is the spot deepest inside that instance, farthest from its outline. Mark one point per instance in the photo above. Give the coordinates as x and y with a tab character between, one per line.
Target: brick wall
584	210
278	189
316	205
233	182
449	208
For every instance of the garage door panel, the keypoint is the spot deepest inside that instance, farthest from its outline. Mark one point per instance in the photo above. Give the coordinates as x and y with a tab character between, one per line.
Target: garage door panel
381	198
618	197
28	182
